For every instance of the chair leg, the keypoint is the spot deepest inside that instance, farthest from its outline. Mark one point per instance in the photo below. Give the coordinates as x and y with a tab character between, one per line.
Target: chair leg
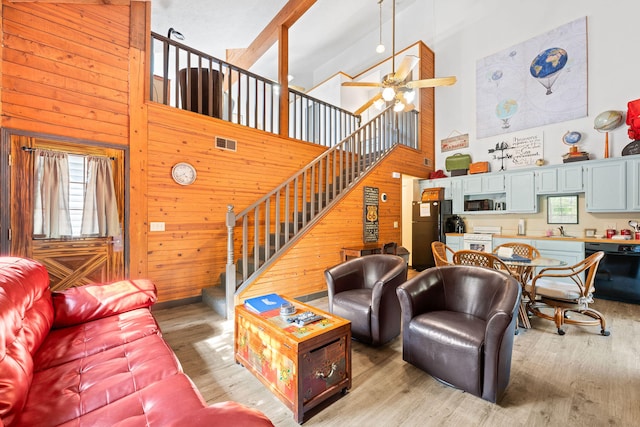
598	316
559	319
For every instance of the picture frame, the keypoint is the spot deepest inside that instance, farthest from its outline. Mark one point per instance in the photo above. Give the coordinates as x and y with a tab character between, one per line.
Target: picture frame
589	232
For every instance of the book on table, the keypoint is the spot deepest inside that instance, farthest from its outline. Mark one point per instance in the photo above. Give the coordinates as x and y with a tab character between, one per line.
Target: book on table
264	303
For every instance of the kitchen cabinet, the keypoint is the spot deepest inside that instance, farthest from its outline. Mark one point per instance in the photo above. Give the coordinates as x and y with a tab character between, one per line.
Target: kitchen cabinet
483	184
633	185
560	180
570	252
606	189
444	183
521	195
455	242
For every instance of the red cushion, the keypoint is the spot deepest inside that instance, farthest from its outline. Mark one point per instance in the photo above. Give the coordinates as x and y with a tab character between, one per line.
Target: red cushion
64	392
75	342
89	302
25	319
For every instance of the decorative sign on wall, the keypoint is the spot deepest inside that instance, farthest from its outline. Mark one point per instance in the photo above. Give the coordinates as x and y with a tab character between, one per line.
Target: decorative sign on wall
371	226
521	150
540	81
454	142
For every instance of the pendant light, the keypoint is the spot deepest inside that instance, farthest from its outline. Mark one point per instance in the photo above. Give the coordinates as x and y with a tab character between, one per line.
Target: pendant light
380	47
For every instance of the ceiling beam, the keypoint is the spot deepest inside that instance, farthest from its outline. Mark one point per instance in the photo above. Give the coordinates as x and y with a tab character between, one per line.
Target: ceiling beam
288	15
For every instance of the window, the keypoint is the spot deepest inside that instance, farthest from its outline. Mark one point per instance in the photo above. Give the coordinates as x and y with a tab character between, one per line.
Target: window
74	196
562	209
77	189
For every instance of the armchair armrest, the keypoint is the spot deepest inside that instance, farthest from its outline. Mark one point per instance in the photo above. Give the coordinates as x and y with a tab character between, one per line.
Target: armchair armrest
421	294
89	302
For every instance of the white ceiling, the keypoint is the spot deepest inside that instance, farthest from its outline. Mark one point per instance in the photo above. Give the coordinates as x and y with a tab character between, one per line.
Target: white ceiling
327	28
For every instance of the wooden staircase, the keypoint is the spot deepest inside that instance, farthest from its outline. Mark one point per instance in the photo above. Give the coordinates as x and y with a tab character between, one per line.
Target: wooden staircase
282	217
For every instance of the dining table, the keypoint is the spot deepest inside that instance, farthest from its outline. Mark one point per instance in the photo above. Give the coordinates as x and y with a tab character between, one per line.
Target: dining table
524	271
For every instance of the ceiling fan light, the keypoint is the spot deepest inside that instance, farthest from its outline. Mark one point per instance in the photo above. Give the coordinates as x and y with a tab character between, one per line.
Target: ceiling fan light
399	106
409	96
388	94
379	103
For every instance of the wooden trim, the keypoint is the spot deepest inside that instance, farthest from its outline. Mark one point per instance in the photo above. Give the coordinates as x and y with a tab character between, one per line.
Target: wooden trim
288	15
283	72
139	88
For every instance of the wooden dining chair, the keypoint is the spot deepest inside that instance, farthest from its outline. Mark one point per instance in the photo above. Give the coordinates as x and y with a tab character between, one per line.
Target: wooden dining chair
440	253
480	259
551	289
523	273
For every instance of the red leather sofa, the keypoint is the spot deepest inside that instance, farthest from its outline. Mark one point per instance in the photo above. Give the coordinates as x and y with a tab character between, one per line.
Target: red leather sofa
93	356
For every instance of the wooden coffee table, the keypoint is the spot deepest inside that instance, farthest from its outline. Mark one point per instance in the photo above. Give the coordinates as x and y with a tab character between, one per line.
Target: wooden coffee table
301	366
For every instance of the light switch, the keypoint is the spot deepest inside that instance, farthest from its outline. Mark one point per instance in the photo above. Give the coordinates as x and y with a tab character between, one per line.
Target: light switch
395	224
156	226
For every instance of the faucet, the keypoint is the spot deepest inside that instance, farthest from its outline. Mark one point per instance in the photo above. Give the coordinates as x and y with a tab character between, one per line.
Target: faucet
561	228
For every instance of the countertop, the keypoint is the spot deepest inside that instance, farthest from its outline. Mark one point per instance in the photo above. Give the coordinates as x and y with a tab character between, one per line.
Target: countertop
569	239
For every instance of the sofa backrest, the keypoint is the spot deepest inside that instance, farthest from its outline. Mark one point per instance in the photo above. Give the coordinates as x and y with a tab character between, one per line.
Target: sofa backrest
26	315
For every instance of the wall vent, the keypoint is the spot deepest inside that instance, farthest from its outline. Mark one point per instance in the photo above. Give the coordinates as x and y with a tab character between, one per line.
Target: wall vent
427	162
226	144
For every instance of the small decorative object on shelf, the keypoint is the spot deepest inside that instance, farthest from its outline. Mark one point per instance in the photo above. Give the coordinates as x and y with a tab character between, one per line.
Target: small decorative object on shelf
571	139
502	146
605	122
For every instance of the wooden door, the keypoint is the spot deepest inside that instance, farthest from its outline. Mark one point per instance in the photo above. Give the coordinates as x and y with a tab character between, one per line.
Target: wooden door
70	261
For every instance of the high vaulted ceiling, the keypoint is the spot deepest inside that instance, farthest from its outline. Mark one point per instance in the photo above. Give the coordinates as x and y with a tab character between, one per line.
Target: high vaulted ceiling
327	28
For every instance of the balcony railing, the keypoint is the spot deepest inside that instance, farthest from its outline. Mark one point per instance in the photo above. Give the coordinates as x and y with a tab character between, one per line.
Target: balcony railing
273	222
186	78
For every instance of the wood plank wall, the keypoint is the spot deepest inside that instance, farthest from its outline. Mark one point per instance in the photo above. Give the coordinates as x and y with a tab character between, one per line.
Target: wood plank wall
65	70
301	270
191	253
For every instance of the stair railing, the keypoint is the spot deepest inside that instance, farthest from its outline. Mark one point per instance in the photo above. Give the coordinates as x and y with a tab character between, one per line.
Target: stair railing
186	78
276	220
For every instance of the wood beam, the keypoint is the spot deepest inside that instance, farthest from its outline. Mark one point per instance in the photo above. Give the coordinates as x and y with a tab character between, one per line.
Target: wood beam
288	15
283	72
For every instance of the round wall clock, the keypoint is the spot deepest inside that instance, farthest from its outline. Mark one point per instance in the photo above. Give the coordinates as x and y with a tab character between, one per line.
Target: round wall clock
183	173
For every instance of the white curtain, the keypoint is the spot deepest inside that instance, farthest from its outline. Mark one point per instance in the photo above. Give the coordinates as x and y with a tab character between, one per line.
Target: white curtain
51	217
100	212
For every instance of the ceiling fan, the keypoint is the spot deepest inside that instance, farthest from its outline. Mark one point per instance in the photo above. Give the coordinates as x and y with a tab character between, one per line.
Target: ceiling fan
394	85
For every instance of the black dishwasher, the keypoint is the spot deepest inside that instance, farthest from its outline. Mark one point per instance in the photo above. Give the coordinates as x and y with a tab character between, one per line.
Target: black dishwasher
618	276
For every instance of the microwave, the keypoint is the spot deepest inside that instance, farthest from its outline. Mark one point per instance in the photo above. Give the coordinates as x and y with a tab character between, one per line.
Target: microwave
478	205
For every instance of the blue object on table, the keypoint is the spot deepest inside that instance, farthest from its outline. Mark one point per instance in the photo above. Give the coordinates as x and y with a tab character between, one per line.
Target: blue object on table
264	303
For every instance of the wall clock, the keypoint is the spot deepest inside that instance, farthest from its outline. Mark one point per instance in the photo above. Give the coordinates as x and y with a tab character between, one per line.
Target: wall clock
183	173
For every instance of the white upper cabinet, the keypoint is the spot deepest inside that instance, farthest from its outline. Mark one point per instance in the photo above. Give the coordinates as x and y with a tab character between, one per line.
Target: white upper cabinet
606	186
563	179
483	184
521	192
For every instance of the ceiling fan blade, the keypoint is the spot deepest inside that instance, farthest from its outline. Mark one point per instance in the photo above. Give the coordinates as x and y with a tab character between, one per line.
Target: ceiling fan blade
441	81
407	64
367	104
362	84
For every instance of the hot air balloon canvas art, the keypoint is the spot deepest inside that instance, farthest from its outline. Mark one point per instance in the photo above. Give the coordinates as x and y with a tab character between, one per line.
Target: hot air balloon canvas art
535	83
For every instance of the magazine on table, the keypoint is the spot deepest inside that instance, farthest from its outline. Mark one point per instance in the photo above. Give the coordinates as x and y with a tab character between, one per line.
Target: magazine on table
264	303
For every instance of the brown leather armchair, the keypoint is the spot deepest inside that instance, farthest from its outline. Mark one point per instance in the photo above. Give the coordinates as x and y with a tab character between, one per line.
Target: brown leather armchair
363	290
458	325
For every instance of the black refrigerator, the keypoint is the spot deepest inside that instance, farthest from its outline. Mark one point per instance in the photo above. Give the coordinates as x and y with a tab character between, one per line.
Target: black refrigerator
428	225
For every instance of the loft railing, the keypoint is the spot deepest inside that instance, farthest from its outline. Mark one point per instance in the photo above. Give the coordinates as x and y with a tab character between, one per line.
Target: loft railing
186	78
272	223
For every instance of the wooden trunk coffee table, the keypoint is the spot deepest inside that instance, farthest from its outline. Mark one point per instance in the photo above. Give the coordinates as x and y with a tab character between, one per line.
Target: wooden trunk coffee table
301	366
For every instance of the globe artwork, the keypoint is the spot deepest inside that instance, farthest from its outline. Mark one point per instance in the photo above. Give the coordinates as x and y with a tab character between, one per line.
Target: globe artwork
608	120
547	66
571	138
505	110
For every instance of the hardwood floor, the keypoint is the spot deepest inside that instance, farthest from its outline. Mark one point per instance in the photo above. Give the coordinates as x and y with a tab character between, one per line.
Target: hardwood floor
581	378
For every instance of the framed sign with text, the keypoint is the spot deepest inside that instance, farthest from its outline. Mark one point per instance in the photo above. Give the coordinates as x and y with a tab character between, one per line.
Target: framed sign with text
370	222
